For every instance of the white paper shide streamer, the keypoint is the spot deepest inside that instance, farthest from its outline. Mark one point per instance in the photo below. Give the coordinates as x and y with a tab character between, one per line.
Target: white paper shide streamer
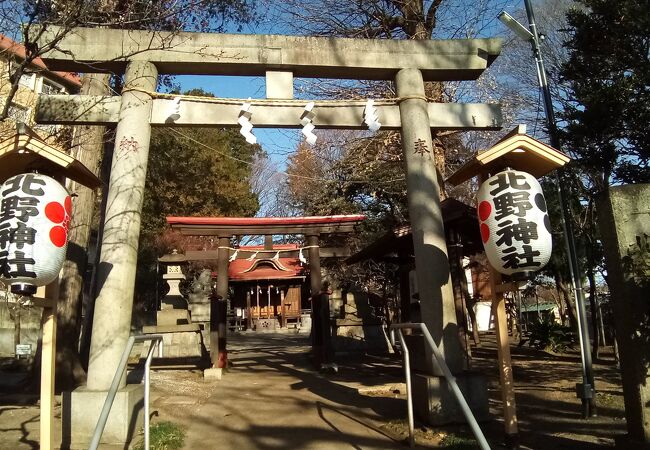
246	126
371	116
307	125
514	223
175	109
35	212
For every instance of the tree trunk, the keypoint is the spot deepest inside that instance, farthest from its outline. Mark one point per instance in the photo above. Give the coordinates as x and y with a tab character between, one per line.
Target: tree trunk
594	311
472	316
561	307
624	225
563	290
87	148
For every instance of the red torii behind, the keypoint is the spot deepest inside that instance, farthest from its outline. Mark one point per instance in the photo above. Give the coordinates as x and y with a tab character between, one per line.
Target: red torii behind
227	227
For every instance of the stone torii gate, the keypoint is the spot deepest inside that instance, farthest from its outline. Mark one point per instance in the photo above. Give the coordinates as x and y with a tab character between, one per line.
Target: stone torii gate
143	55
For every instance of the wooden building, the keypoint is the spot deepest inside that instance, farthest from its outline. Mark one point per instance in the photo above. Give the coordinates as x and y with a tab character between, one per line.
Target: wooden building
266	291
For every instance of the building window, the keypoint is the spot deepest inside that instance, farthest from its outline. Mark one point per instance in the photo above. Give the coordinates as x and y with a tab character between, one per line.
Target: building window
50	88
19	113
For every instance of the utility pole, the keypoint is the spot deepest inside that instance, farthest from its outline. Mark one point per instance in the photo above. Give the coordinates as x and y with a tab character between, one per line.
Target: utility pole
585	390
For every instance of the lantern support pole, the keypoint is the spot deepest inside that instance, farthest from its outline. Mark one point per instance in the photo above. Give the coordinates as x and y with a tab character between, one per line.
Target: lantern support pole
585	390
48	364
48	355
510	420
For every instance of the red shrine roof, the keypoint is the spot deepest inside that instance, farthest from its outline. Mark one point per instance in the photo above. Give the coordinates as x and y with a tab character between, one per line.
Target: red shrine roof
239	221
264	267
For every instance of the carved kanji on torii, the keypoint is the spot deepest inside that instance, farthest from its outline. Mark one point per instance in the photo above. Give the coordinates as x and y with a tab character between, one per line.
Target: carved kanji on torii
143	55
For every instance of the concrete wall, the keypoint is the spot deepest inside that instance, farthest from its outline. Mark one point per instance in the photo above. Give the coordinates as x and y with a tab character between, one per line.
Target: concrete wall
30	319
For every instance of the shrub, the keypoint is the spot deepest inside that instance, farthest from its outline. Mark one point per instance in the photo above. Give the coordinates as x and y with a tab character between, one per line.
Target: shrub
551	336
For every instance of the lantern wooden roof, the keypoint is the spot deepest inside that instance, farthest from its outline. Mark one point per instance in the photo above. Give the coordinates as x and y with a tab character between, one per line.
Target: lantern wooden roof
25	151
516	150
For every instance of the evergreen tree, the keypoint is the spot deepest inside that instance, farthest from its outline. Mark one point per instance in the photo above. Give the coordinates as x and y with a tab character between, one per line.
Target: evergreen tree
608	72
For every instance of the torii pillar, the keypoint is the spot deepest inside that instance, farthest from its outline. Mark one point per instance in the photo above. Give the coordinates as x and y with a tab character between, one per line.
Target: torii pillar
116	271
431	261
218	312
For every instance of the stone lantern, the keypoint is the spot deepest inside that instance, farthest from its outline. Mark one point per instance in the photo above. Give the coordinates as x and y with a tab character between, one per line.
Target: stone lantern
181	337
171	266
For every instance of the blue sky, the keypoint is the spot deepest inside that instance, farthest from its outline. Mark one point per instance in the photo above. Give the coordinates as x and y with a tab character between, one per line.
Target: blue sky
277	143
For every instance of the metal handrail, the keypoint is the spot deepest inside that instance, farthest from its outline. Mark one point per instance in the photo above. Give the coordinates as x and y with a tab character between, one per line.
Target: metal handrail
156	340
478	434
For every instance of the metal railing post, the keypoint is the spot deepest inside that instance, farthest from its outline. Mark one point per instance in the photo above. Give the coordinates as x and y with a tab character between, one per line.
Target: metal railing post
155	339
409	391
451	380
147	366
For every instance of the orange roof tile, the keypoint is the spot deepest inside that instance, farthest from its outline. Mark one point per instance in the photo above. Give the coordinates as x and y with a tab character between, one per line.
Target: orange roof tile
7	44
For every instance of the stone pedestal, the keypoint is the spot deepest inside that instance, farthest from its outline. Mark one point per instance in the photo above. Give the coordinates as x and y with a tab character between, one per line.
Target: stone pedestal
305	324
82	407
359	329
213	373
268	325
179	341
433	400
199	306
435	404
168	317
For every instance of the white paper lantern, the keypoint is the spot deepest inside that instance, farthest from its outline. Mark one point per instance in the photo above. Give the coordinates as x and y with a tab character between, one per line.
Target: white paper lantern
514	223
35	215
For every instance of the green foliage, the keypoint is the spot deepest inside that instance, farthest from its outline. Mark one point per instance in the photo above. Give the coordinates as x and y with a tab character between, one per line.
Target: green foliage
609	73
204	172
550	336
458	442
164	436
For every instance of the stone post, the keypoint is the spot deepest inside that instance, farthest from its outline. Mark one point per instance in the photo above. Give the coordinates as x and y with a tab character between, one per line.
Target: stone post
404	287
431	262
119	250
116	273
624	223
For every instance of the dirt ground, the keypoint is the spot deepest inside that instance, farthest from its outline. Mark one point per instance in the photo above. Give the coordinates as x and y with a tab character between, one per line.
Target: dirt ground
548	410
361	407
